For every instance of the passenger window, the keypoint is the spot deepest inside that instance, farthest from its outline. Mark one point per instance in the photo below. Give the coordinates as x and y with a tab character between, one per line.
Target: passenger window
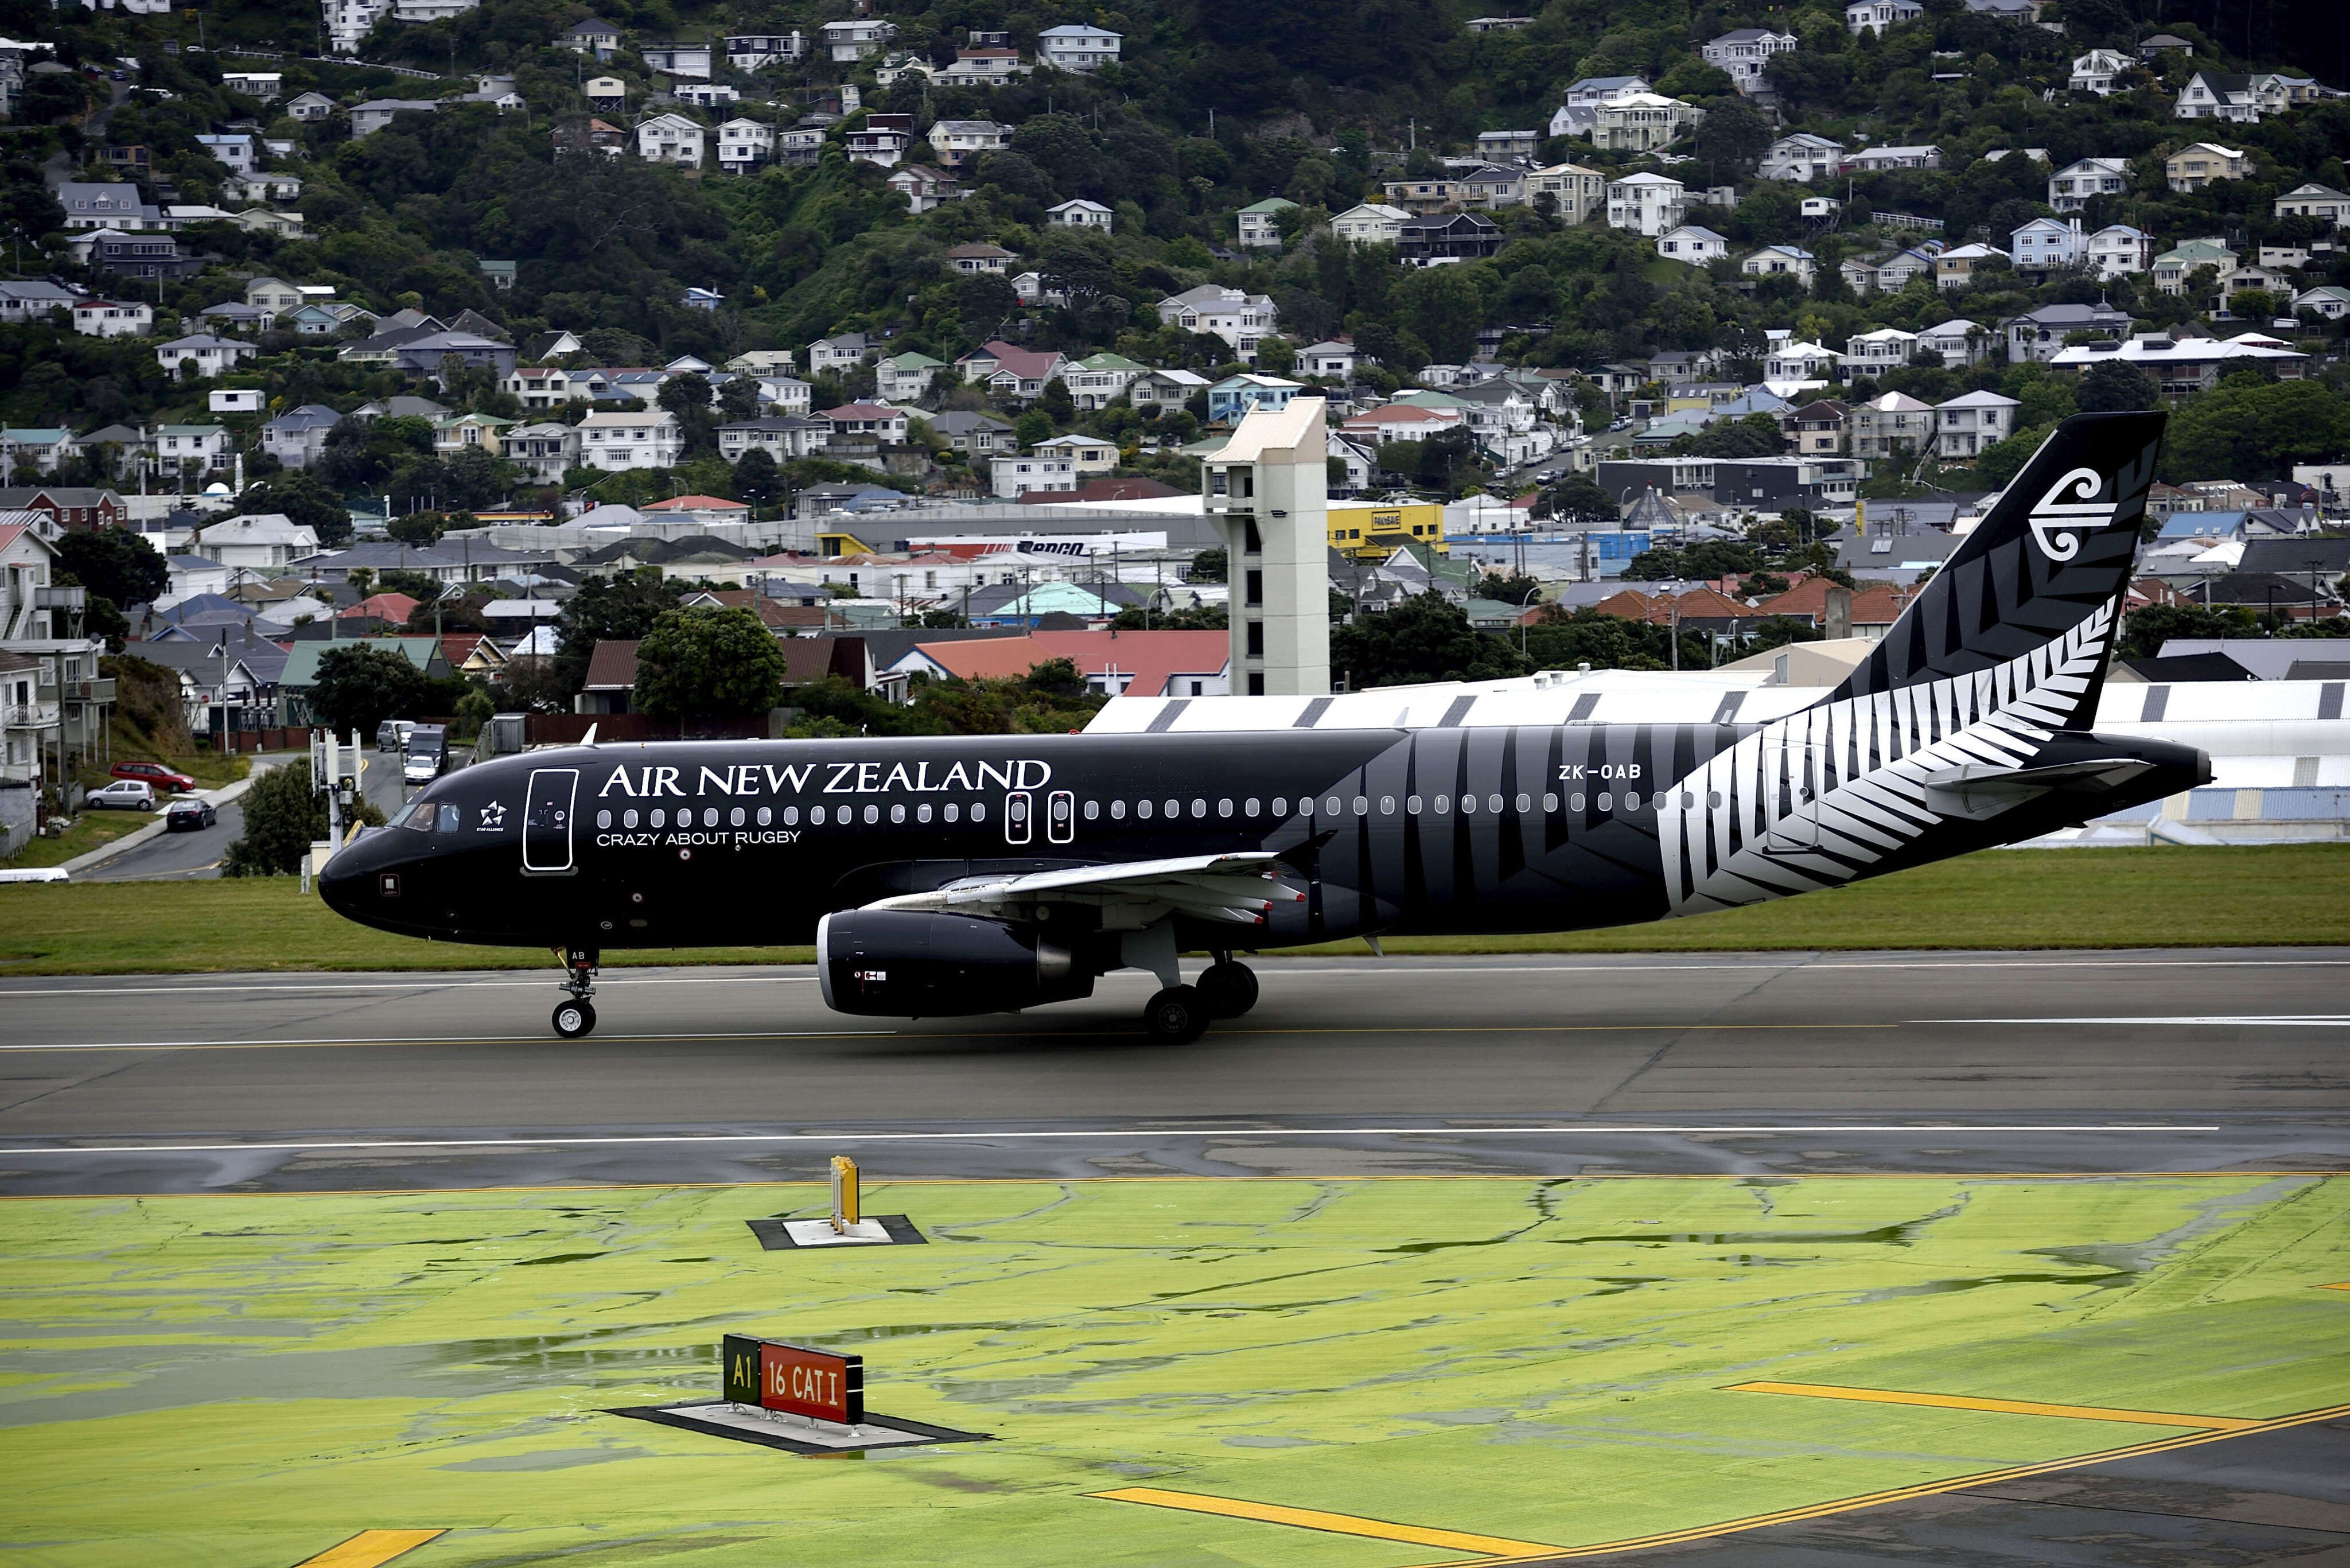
1443	805
816	816
791	816
1606	801
629	817
710	816
603	819
1330	806
1142	810
1224	806
897	813
1412	805
1493	804
1200	808
659	817
1526	804
872	813
923	812
1576	804
1362	805
1118	811
766	817
953	811
1468	805
1550	802
978	810
1093	810
734	817
1387	805
1632	800
1713	800
1280	805
1174	809
1251	806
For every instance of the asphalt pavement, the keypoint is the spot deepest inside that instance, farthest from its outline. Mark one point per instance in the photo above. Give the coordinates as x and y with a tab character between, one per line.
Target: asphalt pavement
1556	1065
191	856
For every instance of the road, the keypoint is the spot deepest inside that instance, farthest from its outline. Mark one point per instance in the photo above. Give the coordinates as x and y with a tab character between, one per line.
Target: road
187	857
2147	1061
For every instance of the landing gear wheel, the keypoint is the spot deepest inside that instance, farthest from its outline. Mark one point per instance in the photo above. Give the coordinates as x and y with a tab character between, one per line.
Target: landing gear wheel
1230	989
1176	1016
574	1019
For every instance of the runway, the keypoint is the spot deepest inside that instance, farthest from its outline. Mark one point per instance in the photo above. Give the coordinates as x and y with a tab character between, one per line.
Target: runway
1790	1064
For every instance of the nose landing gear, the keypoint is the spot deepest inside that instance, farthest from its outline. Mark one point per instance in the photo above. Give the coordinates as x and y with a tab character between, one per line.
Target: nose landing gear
578	1017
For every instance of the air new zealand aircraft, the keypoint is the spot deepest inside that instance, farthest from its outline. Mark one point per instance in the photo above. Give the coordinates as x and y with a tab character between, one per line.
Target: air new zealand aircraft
946	876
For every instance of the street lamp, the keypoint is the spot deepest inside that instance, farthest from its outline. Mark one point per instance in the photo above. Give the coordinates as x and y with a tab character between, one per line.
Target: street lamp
1524	604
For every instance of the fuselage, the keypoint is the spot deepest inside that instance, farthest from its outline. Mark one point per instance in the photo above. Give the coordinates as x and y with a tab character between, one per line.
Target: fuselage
1460	830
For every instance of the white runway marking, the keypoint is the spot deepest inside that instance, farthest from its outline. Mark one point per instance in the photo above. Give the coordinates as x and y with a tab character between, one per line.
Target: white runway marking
1366	967
1939	1129
2275	1020
542	1039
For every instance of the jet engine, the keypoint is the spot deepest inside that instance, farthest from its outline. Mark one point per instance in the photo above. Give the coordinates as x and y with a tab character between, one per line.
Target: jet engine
898	963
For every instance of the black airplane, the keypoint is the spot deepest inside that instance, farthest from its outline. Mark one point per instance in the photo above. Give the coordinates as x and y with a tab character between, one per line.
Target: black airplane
948	876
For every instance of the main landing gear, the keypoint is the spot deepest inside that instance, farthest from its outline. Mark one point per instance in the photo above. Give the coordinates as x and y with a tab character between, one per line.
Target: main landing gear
578	1017
1181	1013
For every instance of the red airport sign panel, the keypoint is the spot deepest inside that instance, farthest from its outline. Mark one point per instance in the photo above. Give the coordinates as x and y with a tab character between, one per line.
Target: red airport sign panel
794	1379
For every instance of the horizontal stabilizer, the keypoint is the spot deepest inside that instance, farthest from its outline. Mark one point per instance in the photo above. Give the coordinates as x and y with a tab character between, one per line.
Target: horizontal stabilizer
1978	791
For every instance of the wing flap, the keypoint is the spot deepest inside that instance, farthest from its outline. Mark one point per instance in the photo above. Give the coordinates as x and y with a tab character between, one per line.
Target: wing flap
1238	888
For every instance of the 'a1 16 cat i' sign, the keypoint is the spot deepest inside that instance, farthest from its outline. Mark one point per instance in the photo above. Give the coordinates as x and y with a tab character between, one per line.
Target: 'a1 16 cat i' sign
794	1379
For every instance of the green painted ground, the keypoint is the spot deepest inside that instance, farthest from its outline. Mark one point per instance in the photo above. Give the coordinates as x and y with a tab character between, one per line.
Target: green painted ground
2249	895
245	1381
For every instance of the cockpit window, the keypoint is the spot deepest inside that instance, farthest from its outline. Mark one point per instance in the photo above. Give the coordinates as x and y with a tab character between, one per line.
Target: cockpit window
414	814
452	816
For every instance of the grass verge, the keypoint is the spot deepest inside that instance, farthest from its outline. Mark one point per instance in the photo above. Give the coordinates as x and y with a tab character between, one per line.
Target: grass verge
237	1379
2270	894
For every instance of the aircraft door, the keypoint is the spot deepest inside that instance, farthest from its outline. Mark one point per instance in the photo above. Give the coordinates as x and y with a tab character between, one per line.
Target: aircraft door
546	821
1796	817
1060	816
1019	808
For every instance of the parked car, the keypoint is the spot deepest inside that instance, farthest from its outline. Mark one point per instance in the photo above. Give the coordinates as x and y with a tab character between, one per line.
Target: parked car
391	735
122	794
192	815
167	781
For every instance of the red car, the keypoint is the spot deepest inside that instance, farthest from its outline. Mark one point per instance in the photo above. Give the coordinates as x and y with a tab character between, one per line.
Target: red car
164	779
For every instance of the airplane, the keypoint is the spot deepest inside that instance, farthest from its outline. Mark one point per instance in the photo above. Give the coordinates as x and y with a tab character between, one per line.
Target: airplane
943	876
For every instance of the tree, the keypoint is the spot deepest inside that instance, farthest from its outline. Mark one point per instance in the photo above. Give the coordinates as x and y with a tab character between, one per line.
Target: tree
1423	639
1733	137
1576	496
757	480
417	529
2145	630
361	686
1209	565
282	817
739	398
2115	387
1032	427
605	609
304	500
708	664
118	566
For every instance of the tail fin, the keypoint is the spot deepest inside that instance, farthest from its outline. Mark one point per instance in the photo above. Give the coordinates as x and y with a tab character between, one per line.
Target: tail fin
2054	551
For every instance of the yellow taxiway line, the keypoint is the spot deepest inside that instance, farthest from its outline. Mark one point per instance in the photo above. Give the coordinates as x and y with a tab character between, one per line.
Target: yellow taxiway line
1333	1523
2003	1407
371	1548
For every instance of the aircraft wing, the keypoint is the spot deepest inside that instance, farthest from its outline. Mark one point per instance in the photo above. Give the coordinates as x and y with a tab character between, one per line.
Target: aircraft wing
1237	889
1977	791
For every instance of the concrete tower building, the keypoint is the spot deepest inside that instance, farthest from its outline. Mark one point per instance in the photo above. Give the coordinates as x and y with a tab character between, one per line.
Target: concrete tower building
1268	489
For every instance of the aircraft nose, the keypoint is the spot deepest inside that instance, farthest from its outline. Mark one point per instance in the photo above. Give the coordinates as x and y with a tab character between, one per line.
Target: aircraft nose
359	877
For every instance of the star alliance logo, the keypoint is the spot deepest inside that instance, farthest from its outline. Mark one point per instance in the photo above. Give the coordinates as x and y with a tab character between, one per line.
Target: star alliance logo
494	817
2058	525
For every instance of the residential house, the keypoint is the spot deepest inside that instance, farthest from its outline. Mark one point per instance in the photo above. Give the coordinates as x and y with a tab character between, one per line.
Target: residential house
297	438
24	450
1874	353
1490	187
1781	261
841	353
372	116
264	542
432	354
1235	396
881	140
669	138
77	506
1091	454
1892	425
973	434
232	150
955	142
1876	15
1877	160
2183	366
866	422
744	144
903	377
1072	47
102	206
1646	204
781	436
1018	374
1257	223
202	355
274	295
2314	200
1744	54
1241	318
1011	477
1576	193
609	94
2117	250
860	38
978	257
756	51
1642	122
2192	167
1370	224
1692	243
1891	274
2071	187
983	67
1792	361
1080	213
2099	71
678	60
2038	334
645	439
2217	95
112	319
1496	23
923	187
2045	244
1803	157
1959	342
1507	145
136	255
1167	388
1966	425
1096	380
2153	48
262	186
1334	360
460	431
30	302
800	147
2237	280
2175	269
310	107
1818	429
2330	301
592	35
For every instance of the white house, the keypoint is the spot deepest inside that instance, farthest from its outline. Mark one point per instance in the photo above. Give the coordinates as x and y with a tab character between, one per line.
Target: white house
1803	157
264	541
1239	318
1072	47
2070	188
957	141
1646	204
1371	223
112	318
2117	249
2313	200
1643	122
1781	261
212	355
1876	15
1080	213
1691	243
904	377
1744	54
1013	477
669	138
1258	225
1960	343
646	438
858	39
235	400
1965	425
744	144
2097	71
1577	194
1877	160
2175	266
1873	353
544	452
839	353
1792	361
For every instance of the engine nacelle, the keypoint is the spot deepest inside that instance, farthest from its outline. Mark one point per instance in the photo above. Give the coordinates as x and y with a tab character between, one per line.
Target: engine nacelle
902	963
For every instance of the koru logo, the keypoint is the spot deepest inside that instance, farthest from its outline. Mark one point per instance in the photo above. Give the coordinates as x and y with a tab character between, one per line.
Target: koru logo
2058	525
494	817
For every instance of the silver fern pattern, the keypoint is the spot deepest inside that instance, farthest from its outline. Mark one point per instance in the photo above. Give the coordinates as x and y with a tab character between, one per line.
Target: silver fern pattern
1816	799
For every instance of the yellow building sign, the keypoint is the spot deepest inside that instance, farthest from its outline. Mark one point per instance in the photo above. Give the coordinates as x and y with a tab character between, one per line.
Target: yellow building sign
1373	530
